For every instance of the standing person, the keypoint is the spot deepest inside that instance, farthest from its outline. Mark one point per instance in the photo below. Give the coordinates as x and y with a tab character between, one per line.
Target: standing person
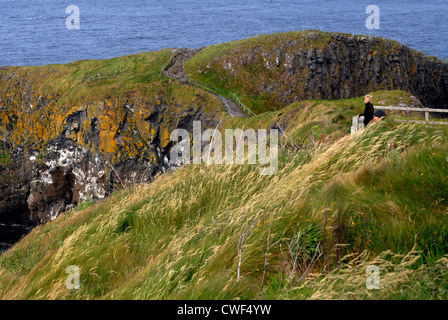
368	110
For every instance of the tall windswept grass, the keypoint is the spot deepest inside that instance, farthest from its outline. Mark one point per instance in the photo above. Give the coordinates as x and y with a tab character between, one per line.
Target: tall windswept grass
189	233
400	277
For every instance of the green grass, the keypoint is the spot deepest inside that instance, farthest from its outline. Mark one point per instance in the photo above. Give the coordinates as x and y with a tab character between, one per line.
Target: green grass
315	122
5	159
85	204
177	238
97	79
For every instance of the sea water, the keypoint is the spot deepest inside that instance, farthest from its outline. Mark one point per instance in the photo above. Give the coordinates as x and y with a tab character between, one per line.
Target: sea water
34	32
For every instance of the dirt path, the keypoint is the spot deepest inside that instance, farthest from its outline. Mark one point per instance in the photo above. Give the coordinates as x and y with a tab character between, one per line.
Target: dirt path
176	68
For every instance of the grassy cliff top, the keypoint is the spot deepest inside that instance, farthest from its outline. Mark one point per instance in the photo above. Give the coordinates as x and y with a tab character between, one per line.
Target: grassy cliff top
78	82
37	102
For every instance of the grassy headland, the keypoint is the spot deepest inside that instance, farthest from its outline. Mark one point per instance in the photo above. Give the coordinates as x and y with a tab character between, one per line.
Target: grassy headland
382	192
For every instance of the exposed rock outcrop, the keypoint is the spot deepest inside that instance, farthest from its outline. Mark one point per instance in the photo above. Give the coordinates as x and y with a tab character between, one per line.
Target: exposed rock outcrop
15	177
56	156
297	66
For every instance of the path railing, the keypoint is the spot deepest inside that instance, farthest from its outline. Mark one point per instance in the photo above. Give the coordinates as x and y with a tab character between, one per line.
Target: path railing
241	105
198	85
426	111
208	88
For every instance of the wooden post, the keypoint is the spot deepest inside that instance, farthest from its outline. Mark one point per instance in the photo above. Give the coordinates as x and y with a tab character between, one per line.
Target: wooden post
426	115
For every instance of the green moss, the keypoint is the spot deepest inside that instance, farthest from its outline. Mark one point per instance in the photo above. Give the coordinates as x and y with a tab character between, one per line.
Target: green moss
5	159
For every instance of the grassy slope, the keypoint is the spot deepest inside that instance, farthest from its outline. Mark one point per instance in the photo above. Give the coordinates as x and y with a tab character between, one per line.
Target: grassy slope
91	80
177	237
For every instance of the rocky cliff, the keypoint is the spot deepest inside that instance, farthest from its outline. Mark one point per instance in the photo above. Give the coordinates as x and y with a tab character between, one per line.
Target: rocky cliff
60	148
272	71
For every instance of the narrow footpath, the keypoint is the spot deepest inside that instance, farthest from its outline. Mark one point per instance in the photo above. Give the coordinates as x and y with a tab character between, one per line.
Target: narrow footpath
175	69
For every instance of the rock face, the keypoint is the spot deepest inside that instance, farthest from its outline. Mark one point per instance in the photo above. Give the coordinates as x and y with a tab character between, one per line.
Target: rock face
285	68
15	178
69	172
55	156
69	175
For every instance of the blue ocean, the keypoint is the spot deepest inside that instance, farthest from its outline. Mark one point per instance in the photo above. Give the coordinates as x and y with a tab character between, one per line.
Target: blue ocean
34	32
